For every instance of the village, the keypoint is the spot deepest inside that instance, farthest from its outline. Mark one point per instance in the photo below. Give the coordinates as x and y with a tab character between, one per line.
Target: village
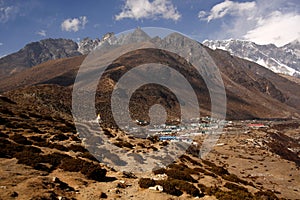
185	132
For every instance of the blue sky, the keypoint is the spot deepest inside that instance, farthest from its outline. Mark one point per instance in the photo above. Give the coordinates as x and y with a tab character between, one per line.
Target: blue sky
261	21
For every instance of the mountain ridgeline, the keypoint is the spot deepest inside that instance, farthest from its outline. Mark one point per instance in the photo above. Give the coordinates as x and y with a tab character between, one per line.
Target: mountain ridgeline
252	90
36	53
284	60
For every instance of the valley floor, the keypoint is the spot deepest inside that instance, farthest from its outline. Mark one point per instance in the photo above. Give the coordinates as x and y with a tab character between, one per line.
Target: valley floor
245	159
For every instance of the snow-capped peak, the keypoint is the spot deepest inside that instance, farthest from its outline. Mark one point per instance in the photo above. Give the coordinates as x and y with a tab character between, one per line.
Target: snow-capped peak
87	45
285	60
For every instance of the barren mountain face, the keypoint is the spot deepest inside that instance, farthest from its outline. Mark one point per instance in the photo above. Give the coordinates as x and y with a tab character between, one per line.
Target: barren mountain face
36	53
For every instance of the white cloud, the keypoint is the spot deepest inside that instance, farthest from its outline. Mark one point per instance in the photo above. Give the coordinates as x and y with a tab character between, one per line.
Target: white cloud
1	43
42	33
74	24
202	14
259	21
7	12
226	8
139	9
278	28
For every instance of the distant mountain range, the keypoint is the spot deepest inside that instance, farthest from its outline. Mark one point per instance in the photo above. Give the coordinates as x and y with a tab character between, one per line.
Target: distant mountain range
284	60
51	49
37	52
252	90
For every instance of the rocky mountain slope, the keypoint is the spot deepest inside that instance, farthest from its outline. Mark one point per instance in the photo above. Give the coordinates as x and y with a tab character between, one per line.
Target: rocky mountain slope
252	91
36	53
285	59
51	49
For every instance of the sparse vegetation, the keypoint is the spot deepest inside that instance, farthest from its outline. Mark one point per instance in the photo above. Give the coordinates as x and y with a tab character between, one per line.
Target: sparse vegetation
3	135
153	139
37	160
123	144
233	186
59	137
159	171
169	187
186	187
51	145
227	195
20	139
108	133
146	182
65	128
88	155
193	151
279	146
37	139
77	148
103	195
265	195
180	175
92	171
31	156
236	192
189	159
236	179
75	138
199	170
9	149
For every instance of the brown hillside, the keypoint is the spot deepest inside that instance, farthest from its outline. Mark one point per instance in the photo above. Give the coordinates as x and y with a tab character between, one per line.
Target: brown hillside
252	91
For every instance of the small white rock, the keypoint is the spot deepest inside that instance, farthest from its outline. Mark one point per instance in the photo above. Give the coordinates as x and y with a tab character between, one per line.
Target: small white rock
157	188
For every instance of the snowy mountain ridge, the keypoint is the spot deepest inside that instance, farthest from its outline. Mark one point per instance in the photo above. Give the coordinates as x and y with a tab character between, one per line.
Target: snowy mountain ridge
285	59
87	45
